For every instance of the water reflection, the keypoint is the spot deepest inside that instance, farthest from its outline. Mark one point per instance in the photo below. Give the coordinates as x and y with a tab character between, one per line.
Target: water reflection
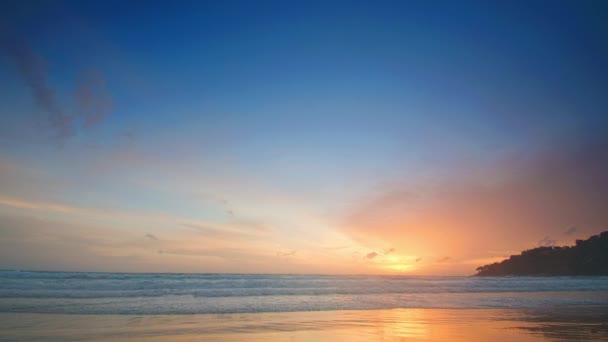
568	324
559	324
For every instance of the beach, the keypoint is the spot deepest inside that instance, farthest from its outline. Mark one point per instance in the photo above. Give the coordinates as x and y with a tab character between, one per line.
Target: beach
570	324
68	306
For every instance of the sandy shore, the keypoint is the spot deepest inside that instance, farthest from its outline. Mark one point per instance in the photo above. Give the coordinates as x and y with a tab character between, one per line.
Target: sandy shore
575	324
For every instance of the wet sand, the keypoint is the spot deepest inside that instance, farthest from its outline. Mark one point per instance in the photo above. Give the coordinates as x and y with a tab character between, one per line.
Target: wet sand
559	324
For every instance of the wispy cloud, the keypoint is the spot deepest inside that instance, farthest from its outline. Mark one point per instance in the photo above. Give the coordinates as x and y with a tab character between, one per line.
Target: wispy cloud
151	236
227	208
35	205
371	255
223	231
32	68
92	99
570	231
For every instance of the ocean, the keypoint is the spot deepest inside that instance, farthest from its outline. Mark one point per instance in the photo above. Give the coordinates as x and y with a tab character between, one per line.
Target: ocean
145	294
222	305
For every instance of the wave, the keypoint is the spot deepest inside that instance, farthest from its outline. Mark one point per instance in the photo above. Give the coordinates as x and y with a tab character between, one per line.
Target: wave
119	293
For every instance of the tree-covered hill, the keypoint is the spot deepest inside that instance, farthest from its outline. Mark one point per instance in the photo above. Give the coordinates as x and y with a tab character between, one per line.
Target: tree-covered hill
587	257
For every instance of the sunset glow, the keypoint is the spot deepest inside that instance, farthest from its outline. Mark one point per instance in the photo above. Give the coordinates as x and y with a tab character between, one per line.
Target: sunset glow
287	137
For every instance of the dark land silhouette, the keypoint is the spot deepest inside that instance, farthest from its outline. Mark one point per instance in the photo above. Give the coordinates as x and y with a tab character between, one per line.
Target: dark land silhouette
587	257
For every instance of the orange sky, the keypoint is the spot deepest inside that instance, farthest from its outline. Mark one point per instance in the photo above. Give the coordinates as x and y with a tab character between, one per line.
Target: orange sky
475	215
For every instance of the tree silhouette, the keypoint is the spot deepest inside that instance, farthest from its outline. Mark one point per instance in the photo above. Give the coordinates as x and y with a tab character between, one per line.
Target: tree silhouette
586	257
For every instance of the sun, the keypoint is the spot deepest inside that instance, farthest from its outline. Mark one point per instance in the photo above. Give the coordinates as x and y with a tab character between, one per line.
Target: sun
400	267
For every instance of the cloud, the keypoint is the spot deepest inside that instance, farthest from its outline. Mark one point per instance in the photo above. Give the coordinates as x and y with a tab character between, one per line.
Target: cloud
88	212
34	205
228	231
418	259
444	259
93	100
227	207
151	236
547	242
33	70
389	251
570	231
371	255
218	253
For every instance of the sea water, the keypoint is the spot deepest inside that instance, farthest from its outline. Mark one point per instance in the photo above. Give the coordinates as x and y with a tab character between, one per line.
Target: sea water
167	294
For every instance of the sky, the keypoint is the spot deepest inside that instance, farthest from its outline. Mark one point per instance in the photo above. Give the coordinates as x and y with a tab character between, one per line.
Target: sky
325	137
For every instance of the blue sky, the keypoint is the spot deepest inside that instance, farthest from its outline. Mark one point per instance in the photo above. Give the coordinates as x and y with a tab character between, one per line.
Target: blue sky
296	117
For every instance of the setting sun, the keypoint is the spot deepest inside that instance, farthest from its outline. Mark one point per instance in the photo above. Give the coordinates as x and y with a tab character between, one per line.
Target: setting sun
400	267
